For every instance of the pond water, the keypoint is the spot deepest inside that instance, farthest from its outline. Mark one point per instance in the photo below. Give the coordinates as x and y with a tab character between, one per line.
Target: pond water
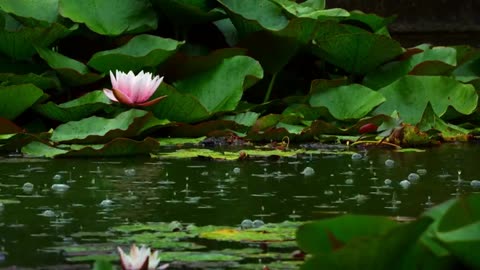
46	202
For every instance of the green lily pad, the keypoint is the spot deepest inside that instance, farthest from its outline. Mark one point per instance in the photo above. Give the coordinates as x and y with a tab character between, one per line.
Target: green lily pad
18	41
195	256
410	95
353	49
46	11
251	16
215	90
449	132
186	13
18	98
9	201
118	147
394	70
267	233
126	16
225	155
347	102
71	71
181	141
140	52
44	81
76	109
97	129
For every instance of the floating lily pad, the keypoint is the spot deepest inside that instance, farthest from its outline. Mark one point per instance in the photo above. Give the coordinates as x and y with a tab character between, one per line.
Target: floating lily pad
116	148
266	233
97	129
9	201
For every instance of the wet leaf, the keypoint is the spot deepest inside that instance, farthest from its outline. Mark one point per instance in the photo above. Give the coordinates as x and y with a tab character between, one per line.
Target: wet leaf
17	98
325	236
76	109
347	102
140	52
126	16
97	129
116	148
18	41
71	71
410	95
44	81
181	141
394	70
353	49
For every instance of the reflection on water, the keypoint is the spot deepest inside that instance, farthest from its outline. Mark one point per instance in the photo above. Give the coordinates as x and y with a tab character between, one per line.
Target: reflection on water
44	202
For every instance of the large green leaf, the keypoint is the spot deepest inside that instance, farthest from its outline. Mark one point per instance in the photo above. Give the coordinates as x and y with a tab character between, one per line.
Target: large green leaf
140	52
389	248
178	106
438	56
448	131
325	236
354	49
72	72
45	10
18	41
459	230
75	109
200	95
221	88
188	12
410	95
250	16
107	18
100	130
314	9
347	102
15	99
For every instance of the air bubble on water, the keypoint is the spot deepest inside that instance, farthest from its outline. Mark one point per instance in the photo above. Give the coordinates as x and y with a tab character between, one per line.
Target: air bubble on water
387	182
2	206
405	184
27	187
357	156
413	177
293	215
328	192
236	170
106	203
422	171
48	213
130	172
257	223
308	171
389	163
429	202
246	224
57	177
349	181
475	183
60	187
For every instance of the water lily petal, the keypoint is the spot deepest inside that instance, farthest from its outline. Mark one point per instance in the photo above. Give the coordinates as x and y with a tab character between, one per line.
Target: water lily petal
110	94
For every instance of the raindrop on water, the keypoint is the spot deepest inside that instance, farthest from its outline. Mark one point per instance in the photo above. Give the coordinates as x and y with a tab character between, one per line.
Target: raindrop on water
60	187
387	182
475	183
257	223
236	170
422	171
130	172
246	224
57	177
27	187
48	213
106	203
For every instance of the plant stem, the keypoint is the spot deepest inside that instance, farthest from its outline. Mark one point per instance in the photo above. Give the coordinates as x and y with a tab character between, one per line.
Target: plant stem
270	87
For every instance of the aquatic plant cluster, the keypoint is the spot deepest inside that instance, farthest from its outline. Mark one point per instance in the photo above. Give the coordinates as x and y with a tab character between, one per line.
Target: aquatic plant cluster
258	69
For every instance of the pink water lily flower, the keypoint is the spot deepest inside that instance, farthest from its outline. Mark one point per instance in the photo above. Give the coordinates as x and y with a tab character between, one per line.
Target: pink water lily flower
140	259
133	90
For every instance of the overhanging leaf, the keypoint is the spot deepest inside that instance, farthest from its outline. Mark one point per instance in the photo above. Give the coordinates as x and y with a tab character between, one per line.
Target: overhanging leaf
347	102
353	49
103	17
46	10
72	72
140	52
76	109
16	99
410	95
